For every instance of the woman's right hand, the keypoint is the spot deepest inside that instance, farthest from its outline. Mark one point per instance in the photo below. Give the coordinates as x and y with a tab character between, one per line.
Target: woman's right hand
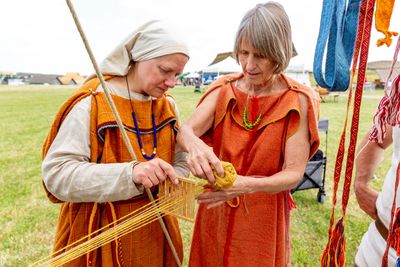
201	158
153	172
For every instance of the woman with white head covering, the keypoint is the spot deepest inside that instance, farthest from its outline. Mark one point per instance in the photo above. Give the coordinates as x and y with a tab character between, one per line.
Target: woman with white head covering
86	166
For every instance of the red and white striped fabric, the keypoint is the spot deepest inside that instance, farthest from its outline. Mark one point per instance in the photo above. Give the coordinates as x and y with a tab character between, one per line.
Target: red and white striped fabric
389	108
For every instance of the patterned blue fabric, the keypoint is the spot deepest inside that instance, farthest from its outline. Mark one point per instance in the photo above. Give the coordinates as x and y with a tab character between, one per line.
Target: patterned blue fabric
337	34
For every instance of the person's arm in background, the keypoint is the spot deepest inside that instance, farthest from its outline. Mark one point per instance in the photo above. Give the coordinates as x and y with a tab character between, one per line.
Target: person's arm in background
369	157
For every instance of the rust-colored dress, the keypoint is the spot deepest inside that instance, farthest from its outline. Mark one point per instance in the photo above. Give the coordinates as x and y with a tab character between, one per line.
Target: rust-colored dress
256	232
143	247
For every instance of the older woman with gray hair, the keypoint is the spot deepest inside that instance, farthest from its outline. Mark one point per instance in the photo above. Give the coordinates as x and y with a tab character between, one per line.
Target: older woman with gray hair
87	168
265	124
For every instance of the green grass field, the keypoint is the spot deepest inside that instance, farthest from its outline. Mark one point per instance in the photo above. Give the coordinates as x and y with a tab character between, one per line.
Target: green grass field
28	219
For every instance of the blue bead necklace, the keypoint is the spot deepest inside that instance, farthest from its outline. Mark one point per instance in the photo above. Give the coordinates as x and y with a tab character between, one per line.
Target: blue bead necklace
153	154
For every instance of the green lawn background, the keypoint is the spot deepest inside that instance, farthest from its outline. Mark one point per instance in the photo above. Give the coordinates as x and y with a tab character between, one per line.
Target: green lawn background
28	219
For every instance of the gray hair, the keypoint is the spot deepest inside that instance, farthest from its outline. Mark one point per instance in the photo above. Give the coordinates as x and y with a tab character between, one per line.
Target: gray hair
267	29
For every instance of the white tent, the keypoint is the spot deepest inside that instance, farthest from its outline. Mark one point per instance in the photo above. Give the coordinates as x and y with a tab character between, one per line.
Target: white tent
299	73
193	75
228	65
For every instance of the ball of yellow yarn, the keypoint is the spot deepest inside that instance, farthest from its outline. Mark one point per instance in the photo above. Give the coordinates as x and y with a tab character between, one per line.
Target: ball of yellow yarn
229	178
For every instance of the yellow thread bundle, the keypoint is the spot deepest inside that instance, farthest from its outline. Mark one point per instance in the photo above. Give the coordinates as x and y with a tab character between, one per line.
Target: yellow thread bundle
227	181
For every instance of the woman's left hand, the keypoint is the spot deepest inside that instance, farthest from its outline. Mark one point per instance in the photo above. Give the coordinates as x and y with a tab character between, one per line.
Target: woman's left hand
242	185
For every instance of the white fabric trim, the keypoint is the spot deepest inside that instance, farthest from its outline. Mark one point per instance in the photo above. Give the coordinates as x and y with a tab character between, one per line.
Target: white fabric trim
152	39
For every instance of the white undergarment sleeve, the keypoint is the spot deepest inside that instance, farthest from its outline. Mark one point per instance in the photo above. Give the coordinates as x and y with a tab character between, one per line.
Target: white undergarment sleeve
70	176
68	173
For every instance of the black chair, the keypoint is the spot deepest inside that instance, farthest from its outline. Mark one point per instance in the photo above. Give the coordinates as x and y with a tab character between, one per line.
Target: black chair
314	174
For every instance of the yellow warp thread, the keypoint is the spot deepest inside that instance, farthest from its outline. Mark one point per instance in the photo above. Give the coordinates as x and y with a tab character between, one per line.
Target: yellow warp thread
124	225
227	181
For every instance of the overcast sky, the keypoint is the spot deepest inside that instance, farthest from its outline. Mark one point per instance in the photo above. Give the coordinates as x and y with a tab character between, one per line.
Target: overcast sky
40	36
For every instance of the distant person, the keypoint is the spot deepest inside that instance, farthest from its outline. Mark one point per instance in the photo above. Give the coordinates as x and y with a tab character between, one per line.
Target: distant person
197	86
87	167
265	124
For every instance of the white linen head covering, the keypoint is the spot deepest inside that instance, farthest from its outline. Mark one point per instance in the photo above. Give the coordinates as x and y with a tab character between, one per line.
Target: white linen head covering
152	39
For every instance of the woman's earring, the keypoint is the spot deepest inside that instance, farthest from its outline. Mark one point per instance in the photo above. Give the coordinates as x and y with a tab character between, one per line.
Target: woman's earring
276	68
